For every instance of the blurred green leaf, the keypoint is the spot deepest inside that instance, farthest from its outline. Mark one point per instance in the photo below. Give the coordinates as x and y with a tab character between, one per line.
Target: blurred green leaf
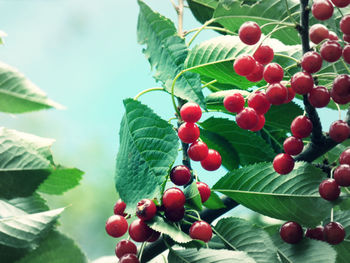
193	198
343	252
214	202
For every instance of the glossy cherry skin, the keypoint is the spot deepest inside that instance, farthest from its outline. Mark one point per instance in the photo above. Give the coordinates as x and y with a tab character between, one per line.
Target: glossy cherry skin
302	83
234	102
317	33
188	132
315	233
198	151
173	198
249	33
257	73
201	230
154	237
332	36
293	145
212	162
190	112
339	131
139	231
311	62
341	85
125	247
331	51
345	24
129	258
319	97
283	163
339	99
180	175
264	54
204	191
119	208
260	125
116	226
329	189
345	157
273	73
259	102
277	94
346	54
301	127
342	175
341	3
146	209
334	233
175	215
291	95
322	9
291	232
244	65
247	118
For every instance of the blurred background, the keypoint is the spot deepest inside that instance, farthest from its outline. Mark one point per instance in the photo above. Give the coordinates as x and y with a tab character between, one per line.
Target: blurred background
84	55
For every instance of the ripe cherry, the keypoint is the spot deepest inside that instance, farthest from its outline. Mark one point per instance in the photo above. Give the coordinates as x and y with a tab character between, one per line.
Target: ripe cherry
283	163
339	131
188	132
345	157
139	231
341	85
119	208
339	99
301	127
302	83
319	97
260	125
125	247
342	175
129	258
154	237
198	151
317	33
331	51
332	36
190	112
311	62
234	102
212	162
201	230
174	215
329	189
334	233
291	95
173	198
315	233
244	65
264	54
291	232
146	209
341	3
345	24
116	226
273	73
346	38
346	54
249	33
259	102
180	175
322	9
204	191
257	73
247	118
293	145
277	94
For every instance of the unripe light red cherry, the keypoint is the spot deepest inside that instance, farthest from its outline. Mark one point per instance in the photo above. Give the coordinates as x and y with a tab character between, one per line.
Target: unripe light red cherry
174	215
119	208
146	209
116	226
180	175
277	94
129	258
204	191
139	231
273	73
201	230
260	124
283	163
301	127
332	36
259	102
212	162
249	33
198	151
293	145
257	73
173	198
302	83
234	102
322	9
331	51
244	65
247	118
291	232
342	175
125	247
264	54
319	97
190	112
346	54
345	24
341	3
315	233
329	189
317	33
339	131
334	233
188	132
311	62
345	157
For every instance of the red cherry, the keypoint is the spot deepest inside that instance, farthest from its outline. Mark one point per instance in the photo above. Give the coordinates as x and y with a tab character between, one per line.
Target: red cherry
317	33
301	127
198	151
180	175
315	233
341	85
291	232
311	62
139	231
291	95
345	157
332	36
125	247
346	38
119	208
259	102
345	24
201	230
339	131
146	209
234	102
342	175
264	54
293	145
247	118
319	97
331	51
273	73
244	65
329	189
341	3
334	233
190	112
322	9
346	54
249	33
154	237
260	124
188	132
173	198
277	94
116	226
129	258
339	99
302	82
174	215
283	163
212	162
257	73
204	191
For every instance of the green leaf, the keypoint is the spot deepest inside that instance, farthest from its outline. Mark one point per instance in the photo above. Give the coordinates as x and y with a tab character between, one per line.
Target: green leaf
333	154
19	95
148	148
239	234
202	10
31	205
250	147
343	252
287	197
166	52
193	198
214	202
281	116
208	256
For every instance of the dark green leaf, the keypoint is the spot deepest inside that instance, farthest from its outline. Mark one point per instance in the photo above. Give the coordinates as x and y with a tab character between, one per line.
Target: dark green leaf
214	202
31	205
281	116
193	199
202	10
343	252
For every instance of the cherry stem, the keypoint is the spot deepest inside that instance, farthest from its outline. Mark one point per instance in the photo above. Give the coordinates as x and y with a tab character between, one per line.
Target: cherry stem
200	30
223	238
289	13
210	28
286	56
341	13
146	91
346	66
339	110
209	83
332	214
141	250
